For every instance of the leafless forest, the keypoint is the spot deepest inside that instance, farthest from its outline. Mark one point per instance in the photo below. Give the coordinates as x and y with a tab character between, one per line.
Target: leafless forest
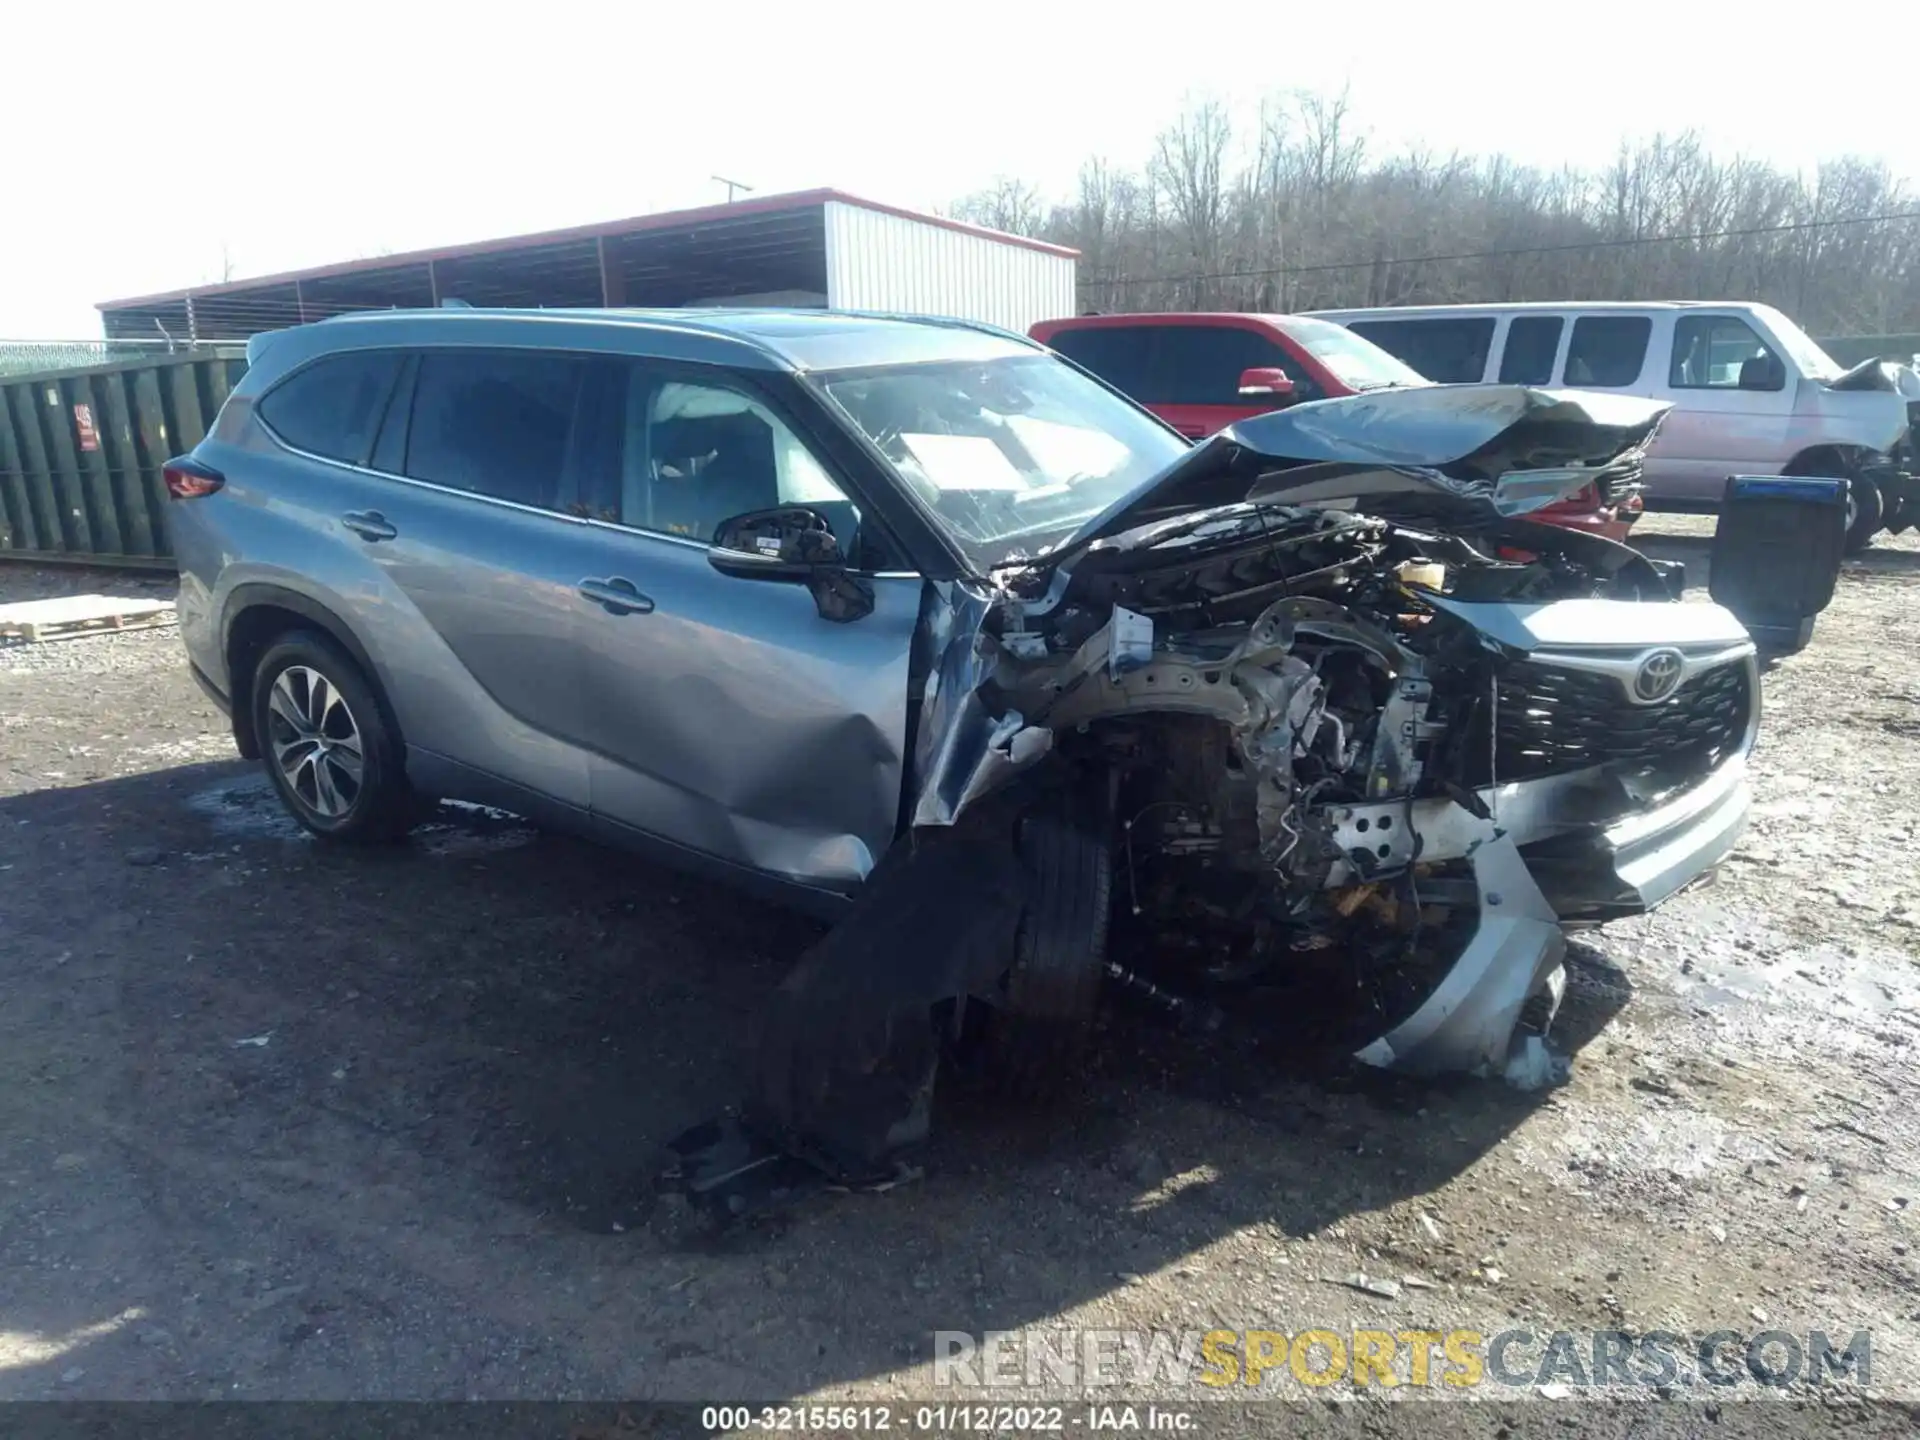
1296	210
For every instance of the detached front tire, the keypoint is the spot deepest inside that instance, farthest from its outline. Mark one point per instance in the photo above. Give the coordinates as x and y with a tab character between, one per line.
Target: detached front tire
327	744
1038	1038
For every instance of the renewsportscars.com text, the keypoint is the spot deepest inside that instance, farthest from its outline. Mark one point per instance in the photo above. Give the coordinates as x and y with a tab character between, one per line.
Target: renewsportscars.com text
1237	1361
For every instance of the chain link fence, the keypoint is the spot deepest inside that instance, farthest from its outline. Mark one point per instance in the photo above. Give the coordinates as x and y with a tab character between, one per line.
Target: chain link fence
29	357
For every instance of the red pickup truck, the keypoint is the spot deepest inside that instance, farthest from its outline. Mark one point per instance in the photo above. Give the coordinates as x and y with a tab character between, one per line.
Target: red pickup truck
1201	372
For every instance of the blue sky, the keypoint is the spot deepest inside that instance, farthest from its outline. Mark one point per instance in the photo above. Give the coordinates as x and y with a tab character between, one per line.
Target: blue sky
164	140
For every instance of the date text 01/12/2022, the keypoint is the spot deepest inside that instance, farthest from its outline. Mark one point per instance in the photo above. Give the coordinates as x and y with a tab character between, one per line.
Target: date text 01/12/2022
944	1419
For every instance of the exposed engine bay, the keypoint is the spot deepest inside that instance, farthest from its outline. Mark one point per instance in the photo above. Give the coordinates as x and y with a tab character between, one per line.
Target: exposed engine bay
1287	720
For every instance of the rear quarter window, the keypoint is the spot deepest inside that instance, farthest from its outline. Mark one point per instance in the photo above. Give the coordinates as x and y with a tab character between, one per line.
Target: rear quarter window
1449	350
334	406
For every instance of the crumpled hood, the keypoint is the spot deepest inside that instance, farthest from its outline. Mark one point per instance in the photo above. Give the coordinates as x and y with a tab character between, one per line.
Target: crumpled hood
1468	454
1872	374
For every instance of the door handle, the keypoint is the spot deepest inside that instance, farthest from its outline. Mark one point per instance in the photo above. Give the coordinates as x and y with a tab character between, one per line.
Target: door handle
368	525
617	596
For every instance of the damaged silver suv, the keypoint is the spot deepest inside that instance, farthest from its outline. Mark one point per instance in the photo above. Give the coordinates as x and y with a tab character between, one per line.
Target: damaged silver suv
918	625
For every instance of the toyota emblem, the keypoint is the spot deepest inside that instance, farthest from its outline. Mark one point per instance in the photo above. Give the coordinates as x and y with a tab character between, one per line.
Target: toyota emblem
1658	676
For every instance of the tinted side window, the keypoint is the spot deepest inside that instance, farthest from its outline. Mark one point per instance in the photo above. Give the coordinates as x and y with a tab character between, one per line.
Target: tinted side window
495	423
1532	343
333	406
1449	351
1716	352
1201	365
1120	355
1181	364
1607	350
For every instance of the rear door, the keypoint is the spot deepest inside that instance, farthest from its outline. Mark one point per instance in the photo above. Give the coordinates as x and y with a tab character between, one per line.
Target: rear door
478	537
1721	426
725	716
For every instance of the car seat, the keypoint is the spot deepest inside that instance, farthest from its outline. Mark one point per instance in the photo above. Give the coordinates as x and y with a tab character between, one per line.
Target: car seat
1759	372
709	468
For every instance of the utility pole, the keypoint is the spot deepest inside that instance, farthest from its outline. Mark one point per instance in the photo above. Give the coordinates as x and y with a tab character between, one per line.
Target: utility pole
732	186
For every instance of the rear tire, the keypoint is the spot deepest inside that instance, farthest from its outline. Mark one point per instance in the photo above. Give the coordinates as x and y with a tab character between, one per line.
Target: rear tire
327	744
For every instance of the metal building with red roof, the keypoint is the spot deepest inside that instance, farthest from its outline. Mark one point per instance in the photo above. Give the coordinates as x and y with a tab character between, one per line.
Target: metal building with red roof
810	247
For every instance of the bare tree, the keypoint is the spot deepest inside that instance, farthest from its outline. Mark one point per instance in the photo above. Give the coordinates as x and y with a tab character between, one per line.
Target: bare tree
1305	214
1189	167
1009	205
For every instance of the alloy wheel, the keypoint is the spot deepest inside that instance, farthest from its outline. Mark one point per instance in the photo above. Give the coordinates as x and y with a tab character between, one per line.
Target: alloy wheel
315	741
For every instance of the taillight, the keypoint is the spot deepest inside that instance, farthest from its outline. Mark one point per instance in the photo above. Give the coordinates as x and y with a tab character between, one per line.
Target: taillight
188	478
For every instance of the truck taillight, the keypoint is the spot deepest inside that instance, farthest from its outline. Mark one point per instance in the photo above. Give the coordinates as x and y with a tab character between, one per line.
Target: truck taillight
188	478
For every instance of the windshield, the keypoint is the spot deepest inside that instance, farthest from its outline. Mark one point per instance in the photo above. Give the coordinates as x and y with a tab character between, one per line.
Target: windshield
1010	455
1802	349
1358	363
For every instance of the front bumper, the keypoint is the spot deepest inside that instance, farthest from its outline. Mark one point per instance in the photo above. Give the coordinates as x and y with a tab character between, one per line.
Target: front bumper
1636	863
1533	890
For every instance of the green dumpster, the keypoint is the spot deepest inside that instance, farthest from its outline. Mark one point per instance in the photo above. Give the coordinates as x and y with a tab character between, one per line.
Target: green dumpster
81	452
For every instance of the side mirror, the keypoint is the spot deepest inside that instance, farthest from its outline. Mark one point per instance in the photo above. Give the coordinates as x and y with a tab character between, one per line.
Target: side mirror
1265	381
794	544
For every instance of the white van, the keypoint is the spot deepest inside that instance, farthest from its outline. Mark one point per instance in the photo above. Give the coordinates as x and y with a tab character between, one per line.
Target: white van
1752	393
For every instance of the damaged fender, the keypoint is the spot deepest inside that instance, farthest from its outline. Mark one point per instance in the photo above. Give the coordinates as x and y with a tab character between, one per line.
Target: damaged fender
1307	679
1517	951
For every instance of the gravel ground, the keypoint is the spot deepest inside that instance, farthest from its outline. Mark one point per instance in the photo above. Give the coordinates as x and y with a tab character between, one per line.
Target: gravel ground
277	1121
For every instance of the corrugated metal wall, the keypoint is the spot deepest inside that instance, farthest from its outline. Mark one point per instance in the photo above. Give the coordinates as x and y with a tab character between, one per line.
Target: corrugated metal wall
877	261
81	451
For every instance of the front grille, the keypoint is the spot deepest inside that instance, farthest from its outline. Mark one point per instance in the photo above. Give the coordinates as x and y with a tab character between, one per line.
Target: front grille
1553	719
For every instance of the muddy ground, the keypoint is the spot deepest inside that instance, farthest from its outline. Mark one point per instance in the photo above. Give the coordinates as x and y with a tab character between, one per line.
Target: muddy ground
280	1121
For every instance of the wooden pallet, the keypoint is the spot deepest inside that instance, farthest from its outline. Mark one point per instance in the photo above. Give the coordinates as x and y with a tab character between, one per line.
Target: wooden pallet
71	616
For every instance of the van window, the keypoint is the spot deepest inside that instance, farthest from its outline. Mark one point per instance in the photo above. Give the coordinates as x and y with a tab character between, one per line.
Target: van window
1532	343
1710	352
495	423
333	406
1450	350
1607	350
1180	364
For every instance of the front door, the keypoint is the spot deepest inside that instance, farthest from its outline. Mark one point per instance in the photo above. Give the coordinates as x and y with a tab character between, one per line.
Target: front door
723	715
1732	407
